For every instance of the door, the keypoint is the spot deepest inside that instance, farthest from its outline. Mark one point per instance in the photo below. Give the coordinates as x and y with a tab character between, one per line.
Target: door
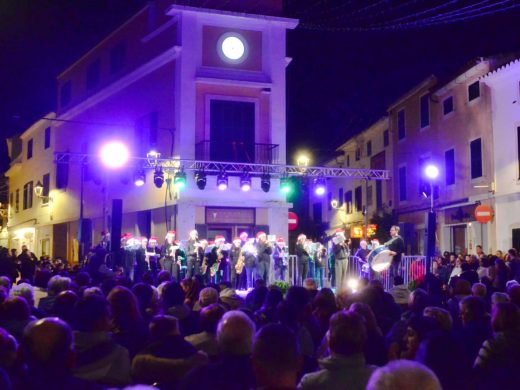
516	239
458	240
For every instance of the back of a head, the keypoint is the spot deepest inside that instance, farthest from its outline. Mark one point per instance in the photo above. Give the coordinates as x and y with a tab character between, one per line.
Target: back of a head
514	294
462	287
479	290
472	308
403	375
297	296
164	276
499	297
82	279
366	312
91	314
310	284
58	284
123	304
210	317
275	354
16	308
8	348
162	326
172	294
347	333
47	344
208	296
418	300
63	306
441	316
24	290
42	277
144	294
235	333
5	282
506	317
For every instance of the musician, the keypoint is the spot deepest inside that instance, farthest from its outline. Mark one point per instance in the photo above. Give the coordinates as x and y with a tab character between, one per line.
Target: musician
341	253
195	254
140	258
249	251
169	255
264	251
153	252
310	247
320	263
302	259
362	251
396	247
129	249
234	256
210	260
280	259
222	259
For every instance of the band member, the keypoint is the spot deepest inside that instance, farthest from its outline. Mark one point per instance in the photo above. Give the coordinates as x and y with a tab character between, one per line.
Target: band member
280	259
140	258
320	263
221	267
234	258
396	247
362	251
153	253
249	252
195	254
169	255
302	259
264	251
209	264
130	249
310	247
341	253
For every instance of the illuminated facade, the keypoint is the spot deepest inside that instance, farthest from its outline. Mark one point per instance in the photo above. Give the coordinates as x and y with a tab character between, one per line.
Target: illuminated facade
187	82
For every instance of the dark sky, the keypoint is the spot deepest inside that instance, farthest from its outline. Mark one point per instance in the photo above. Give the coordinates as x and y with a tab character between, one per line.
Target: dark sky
338	83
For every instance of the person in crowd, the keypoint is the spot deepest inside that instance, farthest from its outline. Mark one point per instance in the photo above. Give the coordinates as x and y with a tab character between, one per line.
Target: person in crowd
99	358
468	273
26	291
173	305
207	296
419	328
396	247
266	314
63	307
47	349
56	285
276	357
147	300
399	291
310	285
206	340
375	348
16	315
403	375
8	267
235	334
167	357
27	261
441	316
346	367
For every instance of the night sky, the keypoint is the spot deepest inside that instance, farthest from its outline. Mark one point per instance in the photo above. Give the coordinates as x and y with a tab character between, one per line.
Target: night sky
339	82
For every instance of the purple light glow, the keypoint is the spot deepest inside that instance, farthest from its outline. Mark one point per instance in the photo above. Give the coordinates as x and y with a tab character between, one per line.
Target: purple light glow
431	172
114	154
222	186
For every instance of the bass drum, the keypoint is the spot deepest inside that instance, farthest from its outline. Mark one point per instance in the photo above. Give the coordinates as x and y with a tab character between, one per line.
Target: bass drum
380	259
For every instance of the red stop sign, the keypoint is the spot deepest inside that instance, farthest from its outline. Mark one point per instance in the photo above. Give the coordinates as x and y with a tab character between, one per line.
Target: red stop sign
483	213
293	221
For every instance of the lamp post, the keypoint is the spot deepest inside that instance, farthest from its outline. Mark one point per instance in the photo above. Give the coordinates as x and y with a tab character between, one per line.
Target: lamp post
431	172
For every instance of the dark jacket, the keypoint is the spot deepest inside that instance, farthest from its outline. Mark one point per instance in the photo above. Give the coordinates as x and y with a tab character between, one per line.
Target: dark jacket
301	253
264	251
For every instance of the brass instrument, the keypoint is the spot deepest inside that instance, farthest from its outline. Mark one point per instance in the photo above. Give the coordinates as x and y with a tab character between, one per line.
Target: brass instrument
241	262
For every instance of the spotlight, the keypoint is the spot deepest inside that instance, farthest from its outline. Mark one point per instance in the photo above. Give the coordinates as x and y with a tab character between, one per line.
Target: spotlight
245	181
265	182
152	156
114	154
139	178
158	177
222	181
179	180
200	179
320	186
285	185
353	284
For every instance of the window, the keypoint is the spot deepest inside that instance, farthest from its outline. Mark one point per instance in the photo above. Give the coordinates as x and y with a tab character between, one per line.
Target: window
473	91
329	201
348	202
29	149
316	212
449	161
27	195
379	194
369	148
348	160
358	198
117	57
369	196
340	197
401	131
447	105
476	158
65	94
93	74
518	149
62	174
358	154
402	184
386	138
11	200
425	111
46	184
47	141
17	201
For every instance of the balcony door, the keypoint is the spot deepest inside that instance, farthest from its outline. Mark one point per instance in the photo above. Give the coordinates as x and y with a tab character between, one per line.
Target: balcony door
232	131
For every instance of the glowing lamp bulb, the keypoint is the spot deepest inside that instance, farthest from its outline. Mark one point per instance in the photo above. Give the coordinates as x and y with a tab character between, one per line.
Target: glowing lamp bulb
222	186
245	187
114	154
431	172
319	191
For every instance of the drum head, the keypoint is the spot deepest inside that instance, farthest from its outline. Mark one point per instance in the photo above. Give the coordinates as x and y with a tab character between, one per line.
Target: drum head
381	261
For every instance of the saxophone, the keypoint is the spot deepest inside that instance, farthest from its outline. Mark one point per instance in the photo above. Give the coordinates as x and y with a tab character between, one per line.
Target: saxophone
241	262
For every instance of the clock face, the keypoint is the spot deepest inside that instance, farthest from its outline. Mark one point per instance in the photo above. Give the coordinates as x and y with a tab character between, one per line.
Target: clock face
232	48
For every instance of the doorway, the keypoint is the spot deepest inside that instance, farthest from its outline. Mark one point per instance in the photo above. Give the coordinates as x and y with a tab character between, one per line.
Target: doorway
458	238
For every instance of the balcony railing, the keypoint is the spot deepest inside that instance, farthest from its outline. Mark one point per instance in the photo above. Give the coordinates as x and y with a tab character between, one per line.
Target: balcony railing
236	151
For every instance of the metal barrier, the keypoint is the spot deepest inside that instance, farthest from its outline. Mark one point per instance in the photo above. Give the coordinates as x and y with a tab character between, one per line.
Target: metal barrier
412	268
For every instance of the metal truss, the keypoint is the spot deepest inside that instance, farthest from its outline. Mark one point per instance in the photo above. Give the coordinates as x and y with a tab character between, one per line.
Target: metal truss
216	167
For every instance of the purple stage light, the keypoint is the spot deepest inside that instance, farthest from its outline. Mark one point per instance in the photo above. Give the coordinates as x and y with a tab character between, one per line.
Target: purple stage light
320	186
431	172
114	154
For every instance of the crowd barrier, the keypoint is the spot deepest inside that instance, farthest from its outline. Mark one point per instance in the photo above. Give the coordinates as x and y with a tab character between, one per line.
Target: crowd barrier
412	268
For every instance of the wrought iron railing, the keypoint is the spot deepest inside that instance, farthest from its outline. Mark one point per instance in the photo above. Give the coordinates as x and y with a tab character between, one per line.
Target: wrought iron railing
237	151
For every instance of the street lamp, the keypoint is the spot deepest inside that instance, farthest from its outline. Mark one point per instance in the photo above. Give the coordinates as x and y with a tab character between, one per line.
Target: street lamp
431	172
303	160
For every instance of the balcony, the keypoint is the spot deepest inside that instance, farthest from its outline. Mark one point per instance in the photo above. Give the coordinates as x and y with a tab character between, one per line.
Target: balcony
236	151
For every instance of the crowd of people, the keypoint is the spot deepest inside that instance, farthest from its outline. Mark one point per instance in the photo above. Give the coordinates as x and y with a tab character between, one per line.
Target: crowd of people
64	327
